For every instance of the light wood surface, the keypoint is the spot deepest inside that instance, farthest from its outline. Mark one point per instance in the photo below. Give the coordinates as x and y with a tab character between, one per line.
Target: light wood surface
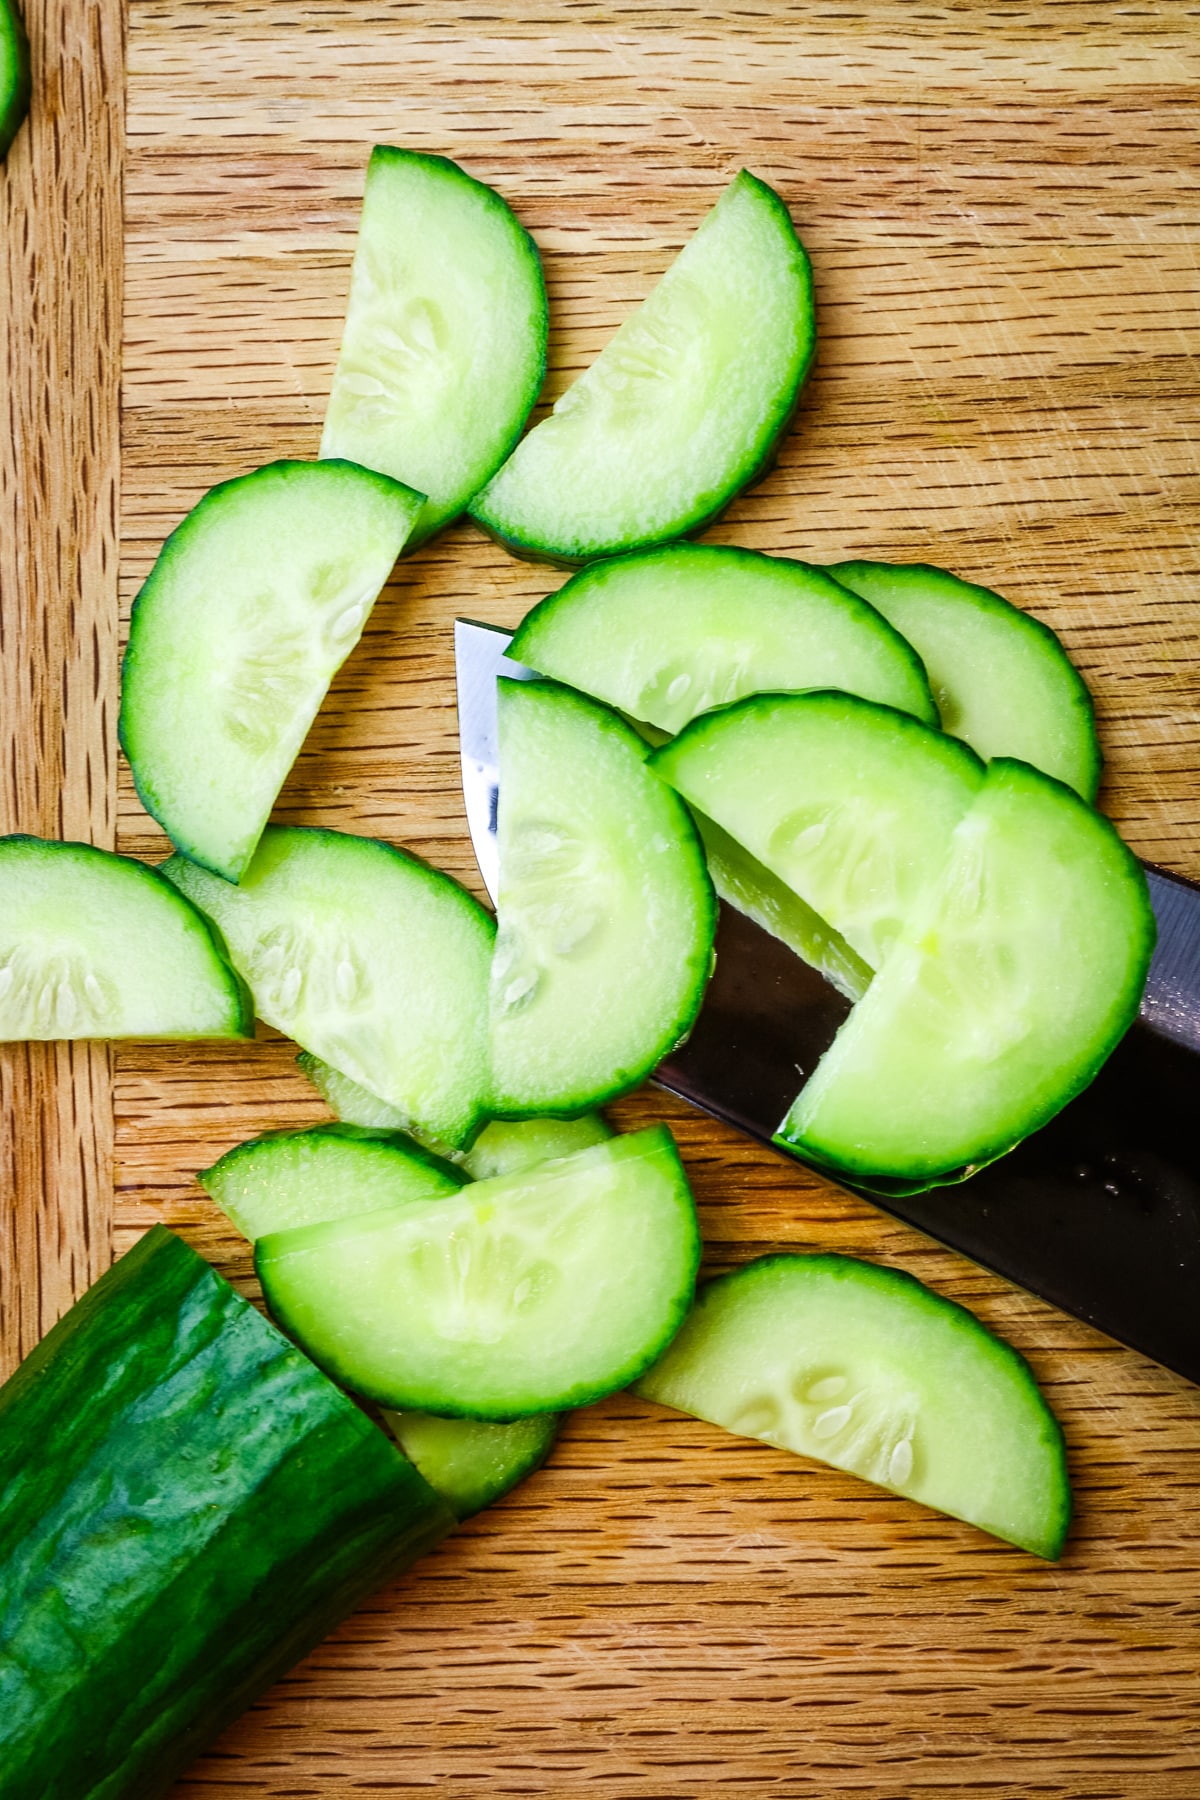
1001	206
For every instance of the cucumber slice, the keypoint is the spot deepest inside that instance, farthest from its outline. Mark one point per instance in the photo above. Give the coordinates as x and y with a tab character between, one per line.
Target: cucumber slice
850	804
445	342
353	1103
1002	680
471	1462
675	631
255	601
529	1293
14	73
509	1146
606	912
683	408
369	959
1001	998
286	1179
99	946
866	1369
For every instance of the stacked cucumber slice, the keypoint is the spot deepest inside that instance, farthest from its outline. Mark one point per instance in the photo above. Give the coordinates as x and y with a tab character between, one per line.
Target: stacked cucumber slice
889	768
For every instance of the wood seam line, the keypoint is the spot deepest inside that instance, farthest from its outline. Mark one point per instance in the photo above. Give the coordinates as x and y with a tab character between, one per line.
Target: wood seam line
61	291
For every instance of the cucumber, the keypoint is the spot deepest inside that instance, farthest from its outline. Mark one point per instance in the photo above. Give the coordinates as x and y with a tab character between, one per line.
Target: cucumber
99	946
14	73
682	408
471	1462
255	601
528	1293
502	1148
1001	998
674	632
864	1368
290	1178
850	804
1002	680
509	1146
445	342
186	1507
606	913
367	958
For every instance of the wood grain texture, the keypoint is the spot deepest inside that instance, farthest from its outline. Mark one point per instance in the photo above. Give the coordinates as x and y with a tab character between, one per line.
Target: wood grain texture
60	311
1001	205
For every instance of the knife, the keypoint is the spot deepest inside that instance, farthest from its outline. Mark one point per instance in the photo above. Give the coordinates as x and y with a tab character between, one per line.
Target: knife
1098	1212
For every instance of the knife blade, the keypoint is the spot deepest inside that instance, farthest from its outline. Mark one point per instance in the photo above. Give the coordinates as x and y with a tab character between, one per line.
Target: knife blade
1098	1212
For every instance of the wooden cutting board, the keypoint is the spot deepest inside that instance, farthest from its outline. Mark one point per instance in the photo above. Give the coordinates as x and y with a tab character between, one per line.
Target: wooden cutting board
1000	201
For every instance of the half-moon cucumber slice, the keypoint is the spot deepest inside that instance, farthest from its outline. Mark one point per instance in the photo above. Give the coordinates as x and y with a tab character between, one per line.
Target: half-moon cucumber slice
445	342
94	945
606	913
1001	997
254	603
865	1368
673	632
369	959
850	804
682	409
1002	680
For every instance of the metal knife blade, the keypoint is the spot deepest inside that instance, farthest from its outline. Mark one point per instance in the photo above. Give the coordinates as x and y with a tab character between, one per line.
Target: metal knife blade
1099	1212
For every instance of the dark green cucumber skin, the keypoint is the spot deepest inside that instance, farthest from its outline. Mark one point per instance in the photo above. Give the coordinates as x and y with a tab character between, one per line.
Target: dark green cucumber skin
15	104
187	1506
758	471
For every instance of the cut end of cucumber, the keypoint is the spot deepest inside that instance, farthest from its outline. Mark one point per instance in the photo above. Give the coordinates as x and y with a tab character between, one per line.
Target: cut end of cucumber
444	346
473	1462
682	409
254	603
866	1369
525	1294
94	945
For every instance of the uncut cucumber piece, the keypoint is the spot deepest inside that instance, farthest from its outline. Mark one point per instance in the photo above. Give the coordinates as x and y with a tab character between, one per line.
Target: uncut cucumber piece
502	1148
528	1293
606	913
14	73
1001	998
445	341
254	603
682	408
673	632
285	1179
94	945
865	1368
369	959
187	1506
850	804
471	1462
1002	680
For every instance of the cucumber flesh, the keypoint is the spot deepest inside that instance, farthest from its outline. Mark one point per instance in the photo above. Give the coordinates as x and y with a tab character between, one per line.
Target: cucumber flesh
525	1294
673	632
502	1148
606	913
100	946
255	601
682	409
471	1462
850	804
367	958
1001	998
187	1507
445	341
14	73
509	1146
1002	680
291	1178
866	1369
743	882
